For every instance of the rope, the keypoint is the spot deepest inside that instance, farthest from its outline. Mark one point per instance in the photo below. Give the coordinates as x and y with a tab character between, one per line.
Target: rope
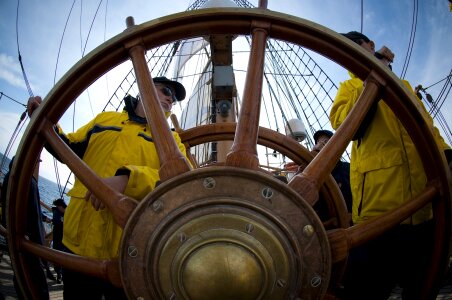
30	92
91	27
411	42
61	41
447	77
362	15
2	94
57	175
105	37
14	136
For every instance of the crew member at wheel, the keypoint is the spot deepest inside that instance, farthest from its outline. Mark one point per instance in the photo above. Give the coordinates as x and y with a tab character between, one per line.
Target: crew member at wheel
117	146
385	172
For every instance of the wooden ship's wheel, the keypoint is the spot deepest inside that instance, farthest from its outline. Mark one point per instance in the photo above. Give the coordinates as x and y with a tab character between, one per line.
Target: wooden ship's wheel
230	231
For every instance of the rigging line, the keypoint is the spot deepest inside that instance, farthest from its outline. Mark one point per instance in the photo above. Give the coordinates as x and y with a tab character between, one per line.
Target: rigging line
90	104
362	15
2	94
442	122
83	52
105	37
54	79
80	27
413	32
30	92
278	65
18	128
65	186
412	37
310	88
448	76
444	98
409	42
57	175
266	110
440	96
61	41
91	27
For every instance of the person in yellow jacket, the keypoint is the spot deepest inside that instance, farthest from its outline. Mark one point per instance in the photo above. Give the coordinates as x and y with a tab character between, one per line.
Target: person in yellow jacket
385	172
117	146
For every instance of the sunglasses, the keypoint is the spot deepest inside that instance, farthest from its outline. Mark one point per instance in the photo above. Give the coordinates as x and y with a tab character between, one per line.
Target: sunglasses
167	91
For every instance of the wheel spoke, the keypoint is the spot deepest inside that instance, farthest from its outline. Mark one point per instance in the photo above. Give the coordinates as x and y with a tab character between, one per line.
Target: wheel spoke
342	240
104	269
119	205
172	161
308	182
278	142
244	151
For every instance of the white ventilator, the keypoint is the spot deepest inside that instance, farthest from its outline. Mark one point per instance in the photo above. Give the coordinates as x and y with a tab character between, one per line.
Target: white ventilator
296	129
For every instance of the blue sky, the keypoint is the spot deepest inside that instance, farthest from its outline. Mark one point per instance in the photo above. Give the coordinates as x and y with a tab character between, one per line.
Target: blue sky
387	22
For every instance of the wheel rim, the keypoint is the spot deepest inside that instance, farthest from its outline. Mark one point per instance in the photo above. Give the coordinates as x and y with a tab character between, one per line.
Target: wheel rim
235	21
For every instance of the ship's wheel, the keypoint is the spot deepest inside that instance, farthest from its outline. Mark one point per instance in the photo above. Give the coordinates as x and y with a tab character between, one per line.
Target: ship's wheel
228	232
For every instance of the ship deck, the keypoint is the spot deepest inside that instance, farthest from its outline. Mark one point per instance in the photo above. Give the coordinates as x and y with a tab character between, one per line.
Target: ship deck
7	287
56	290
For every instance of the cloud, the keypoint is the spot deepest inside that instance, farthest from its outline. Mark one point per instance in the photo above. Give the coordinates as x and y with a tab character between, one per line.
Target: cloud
10	71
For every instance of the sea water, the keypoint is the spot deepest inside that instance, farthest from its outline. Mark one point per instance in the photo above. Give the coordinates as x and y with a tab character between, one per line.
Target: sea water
48	190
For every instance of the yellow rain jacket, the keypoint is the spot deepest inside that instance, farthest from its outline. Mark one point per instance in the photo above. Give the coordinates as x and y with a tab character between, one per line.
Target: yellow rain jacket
385	168
109	142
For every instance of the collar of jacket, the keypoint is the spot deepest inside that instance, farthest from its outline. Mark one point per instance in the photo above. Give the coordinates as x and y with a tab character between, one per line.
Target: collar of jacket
133	117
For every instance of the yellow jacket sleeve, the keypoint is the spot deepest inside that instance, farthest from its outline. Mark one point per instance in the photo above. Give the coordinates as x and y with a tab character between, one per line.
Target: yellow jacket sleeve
346	97
143	179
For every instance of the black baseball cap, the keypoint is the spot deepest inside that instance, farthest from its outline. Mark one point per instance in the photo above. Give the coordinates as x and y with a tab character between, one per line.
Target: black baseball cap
356	36
318	133
176	86
60	202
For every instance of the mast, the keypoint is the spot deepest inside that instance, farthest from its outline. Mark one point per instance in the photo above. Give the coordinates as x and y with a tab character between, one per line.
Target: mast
223	90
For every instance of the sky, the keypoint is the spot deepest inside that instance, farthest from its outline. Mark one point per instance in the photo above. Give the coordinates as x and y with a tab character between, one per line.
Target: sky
40	28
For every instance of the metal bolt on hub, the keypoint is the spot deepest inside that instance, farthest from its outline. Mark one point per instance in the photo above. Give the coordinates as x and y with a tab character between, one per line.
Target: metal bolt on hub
267	193
209	183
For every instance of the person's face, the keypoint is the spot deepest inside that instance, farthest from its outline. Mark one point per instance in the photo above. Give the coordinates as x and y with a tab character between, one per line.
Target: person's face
369	46
321	142
166	97
165	94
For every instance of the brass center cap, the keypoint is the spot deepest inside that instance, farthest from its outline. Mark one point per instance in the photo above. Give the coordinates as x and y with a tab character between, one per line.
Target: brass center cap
222	271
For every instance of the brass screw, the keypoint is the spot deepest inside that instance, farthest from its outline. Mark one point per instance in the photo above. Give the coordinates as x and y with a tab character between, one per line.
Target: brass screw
316	281
157	206
281	283
308	230
209	183
132	251
249	227
267	193
182	237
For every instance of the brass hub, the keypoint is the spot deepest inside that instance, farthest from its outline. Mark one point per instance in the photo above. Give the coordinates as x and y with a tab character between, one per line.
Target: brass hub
222	269
224	233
